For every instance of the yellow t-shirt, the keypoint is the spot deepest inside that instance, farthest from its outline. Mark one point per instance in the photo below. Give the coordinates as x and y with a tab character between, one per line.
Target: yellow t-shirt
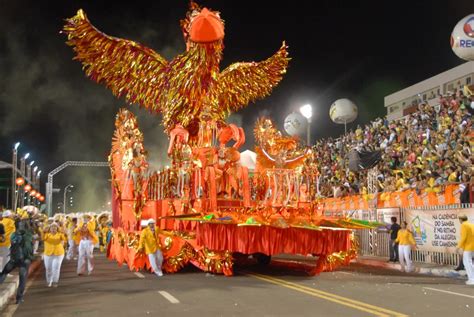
54	243
104	231
404	237
149	241
400	184
85	233
9	226
467	236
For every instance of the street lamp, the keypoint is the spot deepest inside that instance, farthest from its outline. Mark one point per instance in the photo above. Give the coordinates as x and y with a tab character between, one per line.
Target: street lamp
65	194
28	168
307	112
14	174
22	163
33	175
38	180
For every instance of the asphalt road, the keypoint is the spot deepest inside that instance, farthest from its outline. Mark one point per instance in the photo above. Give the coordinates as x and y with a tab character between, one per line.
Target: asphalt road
273	291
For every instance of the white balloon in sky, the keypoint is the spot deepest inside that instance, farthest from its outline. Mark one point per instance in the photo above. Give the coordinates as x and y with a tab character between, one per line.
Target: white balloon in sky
343	111
295	124
462	38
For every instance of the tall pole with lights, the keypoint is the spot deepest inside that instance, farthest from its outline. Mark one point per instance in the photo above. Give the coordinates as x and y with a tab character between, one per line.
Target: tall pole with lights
65	194
22	163
14	174
38	180
33	175
28	173
307	112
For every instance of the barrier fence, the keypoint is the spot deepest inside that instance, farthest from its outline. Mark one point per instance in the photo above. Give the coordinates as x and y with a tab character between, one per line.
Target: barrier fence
435	228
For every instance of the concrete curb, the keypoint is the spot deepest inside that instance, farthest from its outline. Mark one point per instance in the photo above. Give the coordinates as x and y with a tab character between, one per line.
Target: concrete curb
9	287
435	271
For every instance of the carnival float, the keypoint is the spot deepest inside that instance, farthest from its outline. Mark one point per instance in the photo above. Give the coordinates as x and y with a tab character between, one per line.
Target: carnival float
208	205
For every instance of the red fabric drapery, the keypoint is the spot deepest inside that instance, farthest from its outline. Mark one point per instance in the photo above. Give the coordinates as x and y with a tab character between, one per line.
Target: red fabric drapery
271	240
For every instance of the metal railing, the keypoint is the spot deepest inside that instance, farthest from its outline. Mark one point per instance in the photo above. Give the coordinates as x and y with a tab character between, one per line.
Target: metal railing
376	242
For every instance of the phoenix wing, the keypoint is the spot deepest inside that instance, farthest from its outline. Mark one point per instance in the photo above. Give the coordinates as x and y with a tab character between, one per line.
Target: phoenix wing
127	68
242	83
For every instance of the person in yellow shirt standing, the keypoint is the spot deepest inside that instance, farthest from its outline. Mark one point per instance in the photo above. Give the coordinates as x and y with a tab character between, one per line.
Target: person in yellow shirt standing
86	238
9	227
72	246
53	253
405	242
466	243
150	243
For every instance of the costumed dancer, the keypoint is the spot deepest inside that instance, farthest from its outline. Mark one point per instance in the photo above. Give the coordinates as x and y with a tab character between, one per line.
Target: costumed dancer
150	243
86	238
53	253
37	235
103	231
9	227
110	233
405	242
72	246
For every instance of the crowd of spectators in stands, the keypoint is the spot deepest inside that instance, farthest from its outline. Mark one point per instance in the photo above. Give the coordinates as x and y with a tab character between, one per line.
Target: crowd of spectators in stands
426	149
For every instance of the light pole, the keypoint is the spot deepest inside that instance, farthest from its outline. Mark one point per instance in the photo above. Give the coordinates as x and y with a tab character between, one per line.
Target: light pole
28	173
38	180
33	176
22	163
307	112
65	194
14	174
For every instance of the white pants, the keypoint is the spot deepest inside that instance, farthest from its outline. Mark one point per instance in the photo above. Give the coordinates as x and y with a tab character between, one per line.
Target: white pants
86	248
71	250
404	254
35	246
52	264
156	259
468	265
4	257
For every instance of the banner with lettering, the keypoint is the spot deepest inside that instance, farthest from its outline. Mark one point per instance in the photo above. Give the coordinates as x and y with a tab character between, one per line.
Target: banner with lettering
436	230
384	215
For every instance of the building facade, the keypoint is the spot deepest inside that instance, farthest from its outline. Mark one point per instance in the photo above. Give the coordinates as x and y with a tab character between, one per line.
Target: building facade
406	100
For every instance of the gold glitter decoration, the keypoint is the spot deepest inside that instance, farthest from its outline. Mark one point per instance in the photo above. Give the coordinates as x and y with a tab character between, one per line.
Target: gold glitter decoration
185	88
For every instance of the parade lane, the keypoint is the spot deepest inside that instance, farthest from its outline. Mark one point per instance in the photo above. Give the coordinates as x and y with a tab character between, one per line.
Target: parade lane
353	291
409	294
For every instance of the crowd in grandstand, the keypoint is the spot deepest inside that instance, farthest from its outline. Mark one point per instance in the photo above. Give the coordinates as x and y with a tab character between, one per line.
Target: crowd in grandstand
426	149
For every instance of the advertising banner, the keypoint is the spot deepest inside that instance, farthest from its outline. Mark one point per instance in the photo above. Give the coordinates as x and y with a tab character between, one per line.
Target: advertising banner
384	215
436	230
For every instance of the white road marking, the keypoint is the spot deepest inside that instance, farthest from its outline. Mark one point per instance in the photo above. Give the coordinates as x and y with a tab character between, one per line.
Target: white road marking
140	275
448	292
169	297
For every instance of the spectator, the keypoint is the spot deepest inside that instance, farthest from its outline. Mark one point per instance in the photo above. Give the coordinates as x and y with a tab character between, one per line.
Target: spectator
394	228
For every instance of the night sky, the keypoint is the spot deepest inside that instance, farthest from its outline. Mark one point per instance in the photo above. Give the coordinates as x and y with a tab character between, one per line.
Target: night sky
339	49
